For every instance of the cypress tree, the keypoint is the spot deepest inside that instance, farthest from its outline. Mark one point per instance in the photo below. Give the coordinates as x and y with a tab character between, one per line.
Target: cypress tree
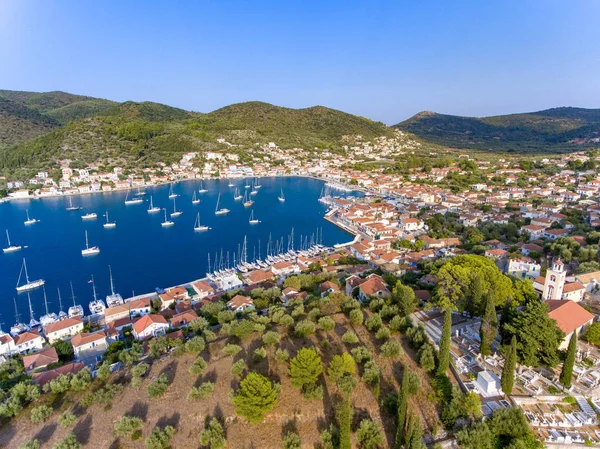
415	440
444	359
488	328
566	375
508	371
402	408
344	418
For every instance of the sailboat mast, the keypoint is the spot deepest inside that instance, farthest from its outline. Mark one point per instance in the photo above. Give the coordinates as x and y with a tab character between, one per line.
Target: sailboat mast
25	266
17	316
60	300
94	287
8	238
209	262
30	308
72	292
45	301
112	287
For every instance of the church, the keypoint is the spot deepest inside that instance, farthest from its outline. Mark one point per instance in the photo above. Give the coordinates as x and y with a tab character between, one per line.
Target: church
554	286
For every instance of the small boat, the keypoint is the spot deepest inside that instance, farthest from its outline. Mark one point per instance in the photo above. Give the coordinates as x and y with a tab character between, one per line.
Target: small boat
11	248
171	193
252	219
140	192
194	199
89	250
166	223
49	317
237	196
33	323
76	309
253	191
29	285
222	211
71	207
230	184
281	197
257	184
61	315
134	200
202	188
114	299
247	186
109	224
247	201
18	327
198	227
153	209
30	221
90	216
96	306
175	213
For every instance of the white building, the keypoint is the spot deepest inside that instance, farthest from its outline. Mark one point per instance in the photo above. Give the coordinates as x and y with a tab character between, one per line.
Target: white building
488	384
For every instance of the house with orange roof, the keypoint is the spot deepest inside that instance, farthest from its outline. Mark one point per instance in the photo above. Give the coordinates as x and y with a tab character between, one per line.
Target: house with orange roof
203	289
570	317
139	307
328	287
173	295
183	319
116	313
373	286
40	359
283	268
29	341
7	346
150	325
64	329
90	346
42	378
258	277
240	303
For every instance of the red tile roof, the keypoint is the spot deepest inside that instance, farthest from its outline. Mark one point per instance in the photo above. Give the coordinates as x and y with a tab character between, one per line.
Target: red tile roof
569	315
40	359
63	324
146	321
47	376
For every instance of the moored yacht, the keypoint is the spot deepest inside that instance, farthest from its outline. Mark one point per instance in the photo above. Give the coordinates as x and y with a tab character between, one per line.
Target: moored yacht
247	201
114	299
237	196
198	227
61	314
230	184
29	285
281	196
11	248
194	199
33	323
134	200
90	216
89	250
175	213
171	193
153	209
30	221
18	327
252	219
202	188
49	317
75	309
221	211
71	207
109	224
97	305
166	223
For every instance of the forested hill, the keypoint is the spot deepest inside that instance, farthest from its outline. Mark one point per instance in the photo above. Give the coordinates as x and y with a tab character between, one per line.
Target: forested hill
553	130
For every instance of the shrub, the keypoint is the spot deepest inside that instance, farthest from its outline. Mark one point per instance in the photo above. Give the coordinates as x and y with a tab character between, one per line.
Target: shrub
41	413
259	354
67	419
304	328
326	323
203	391
198	366
195	345
209	335
140	369
383	334
391	349
305	367
374	322
361	354
60	385
350	338
238	367
270	338
231	349
356	317
291	440
282	355
340	366
255	397
426	357
127	425
313	392
371	373
33	444
330	438
214	436
68	442
160	439
158	387
102	396
396	323
368	435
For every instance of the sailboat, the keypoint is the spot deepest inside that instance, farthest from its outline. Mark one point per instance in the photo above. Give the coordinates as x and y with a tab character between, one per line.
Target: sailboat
96	306
114	299
281	197
29	285
71	207
171	193
30	221
175	213
252	219
140	192
153	209
247	186
202	188
76	309
134	200
166	223
18	327
237	196
49	317
198	226
11	248
257	184
90	216
89	250
61	314
230	184
221	211
194	199
247	201
253	191
33	323
109	224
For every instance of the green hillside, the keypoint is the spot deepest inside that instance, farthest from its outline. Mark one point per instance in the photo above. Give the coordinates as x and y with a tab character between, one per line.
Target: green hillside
19	123
553	130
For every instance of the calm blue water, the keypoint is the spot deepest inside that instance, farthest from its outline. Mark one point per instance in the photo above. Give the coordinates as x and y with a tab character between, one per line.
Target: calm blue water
142	254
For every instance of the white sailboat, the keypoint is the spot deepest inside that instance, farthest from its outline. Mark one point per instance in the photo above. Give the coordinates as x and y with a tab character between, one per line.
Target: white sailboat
197	226
194	199
230	184
222	211
247	186
49	317
237	196
71	207
29	285
96	306
18	327
11	248
61	314
247	201
90	216
153	209
252	219
171	193
134	200
33	323
166	223
89	250
30	221
109	224
76	309
202	188
253	191
175	213
281	197
257	184
114	299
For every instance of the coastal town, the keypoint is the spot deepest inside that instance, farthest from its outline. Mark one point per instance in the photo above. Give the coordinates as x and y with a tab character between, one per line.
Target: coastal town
531	228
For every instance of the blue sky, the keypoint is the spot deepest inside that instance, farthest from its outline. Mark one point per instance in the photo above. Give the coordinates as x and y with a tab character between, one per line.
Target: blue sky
385	60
